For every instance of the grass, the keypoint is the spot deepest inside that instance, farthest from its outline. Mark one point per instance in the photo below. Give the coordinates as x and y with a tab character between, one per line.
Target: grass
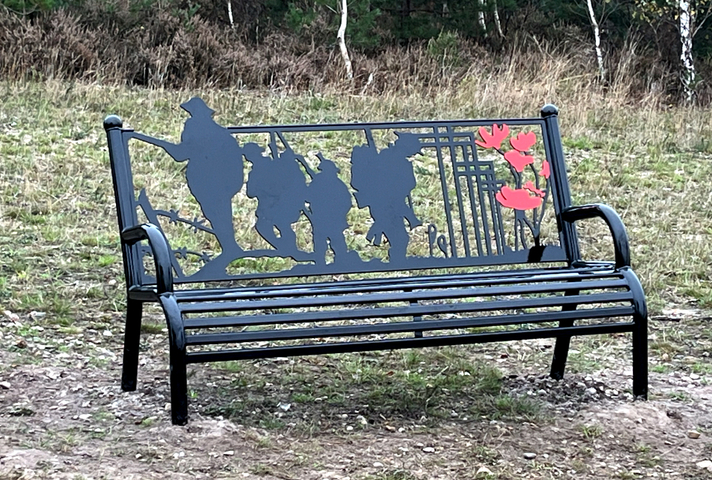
591	432
365	390
61	269
59	238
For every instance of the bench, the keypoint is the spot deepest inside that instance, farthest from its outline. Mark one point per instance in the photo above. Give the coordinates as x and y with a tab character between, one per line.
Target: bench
275	241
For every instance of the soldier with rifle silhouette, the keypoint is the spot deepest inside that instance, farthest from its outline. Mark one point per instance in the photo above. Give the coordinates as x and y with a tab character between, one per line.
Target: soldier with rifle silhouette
214	172
383	181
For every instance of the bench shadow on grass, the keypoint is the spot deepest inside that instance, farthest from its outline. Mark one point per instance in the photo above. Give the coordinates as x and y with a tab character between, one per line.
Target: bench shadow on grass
335	392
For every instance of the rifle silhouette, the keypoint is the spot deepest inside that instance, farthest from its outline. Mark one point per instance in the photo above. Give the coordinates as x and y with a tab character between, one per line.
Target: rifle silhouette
173	149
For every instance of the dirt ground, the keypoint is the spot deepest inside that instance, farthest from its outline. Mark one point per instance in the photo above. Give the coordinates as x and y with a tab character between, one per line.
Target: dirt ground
63	415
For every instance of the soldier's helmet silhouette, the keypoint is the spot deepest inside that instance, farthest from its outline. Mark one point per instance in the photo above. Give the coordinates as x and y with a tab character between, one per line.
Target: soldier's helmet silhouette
407	143
196	107
253	151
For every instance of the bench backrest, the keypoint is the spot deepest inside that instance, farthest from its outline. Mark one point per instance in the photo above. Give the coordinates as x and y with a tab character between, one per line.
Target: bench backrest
301	200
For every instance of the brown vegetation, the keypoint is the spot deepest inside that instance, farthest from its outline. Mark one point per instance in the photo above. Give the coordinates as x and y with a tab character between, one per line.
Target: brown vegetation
165	50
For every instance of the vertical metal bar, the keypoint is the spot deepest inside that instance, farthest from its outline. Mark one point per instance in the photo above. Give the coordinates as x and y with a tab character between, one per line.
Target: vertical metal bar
446	199
473	197
561	347
487	185
124	195
456	174
560	184
640	335
567	231
484	234
177	359
640	356
416	318
132	337
497	223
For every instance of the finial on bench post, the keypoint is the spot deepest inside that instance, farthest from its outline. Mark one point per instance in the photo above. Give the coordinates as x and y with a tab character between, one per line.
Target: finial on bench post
549	110
113	121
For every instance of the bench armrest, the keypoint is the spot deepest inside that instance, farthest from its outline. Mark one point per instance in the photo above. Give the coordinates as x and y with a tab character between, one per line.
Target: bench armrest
614	222
159	248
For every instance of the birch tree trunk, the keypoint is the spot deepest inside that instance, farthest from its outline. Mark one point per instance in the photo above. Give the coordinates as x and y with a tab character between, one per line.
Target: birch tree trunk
229	13
481	16
597	40
497	23
342	42
688	64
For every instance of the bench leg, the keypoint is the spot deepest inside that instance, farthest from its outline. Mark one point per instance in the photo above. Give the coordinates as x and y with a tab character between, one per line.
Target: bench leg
561	352
640	355
179	378
132	337
179	388
640	336
561	348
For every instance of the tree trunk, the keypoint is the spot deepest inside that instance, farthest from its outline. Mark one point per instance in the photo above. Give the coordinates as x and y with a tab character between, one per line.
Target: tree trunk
497	23
342	42
229	13
597	40
481	16
688	64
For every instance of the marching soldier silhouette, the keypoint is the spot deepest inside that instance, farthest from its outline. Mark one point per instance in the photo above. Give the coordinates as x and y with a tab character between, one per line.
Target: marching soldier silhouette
329	202
279	186
214	172
383	181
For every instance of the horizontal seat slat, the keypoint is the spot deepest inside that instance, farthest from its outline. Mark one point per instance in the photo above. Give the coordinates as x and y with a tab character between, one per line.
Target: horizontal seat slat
394	327
331	300
400	327
406	310
398	343
389	284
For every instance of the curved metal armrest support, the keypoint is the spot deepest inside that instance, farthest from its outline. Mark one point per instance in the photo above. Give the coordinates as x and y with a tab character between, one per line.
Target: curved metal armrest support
159	248
614	222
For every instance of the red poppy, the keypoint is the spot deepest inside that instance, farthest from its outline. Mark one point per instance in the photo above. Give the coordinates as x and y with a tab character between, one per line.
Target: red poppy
518	160
545	171
494	139
530	186
518	199
523	141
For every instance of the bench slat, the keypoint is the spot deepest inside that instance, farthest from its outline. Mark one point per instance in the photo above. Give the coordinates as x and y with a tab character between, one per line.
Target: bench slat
374	285
398	343
322	300
400	327
410	310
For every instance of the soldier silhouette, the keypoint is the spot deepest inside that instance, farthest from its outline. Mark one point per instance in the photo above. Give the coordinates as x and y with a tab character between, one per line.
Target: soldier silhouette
329	202
279	186
383	181
214	172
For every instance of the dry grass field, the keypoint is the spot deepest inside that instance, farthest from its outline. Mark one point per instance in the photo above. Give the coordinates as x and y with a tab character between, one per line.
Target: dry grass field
451	413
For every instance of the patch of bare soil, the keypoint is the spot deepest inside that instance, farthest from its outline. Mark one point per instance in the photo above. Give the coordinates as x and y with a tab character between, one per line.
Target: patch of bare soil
63	415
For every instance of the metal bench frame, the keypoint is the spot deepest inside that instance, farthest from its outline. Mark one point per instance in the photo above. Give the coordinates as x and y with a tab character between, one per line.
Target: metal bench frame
433	301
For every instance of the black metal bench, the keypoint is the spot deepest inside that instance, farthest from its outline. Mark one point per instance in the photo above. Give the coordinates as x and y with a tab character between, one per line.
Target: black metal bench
359	237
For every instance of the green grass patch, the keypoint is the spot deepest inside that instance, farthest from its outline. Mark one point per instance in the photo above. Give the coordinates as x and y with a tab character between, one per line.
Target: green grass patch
361	390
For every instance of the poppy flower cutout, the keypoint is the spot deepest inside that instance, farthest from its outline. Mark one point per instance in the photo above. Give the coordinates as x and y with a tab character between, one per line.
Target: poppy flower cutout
536	191
494	139
519	199
518	160
545	171
523	141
